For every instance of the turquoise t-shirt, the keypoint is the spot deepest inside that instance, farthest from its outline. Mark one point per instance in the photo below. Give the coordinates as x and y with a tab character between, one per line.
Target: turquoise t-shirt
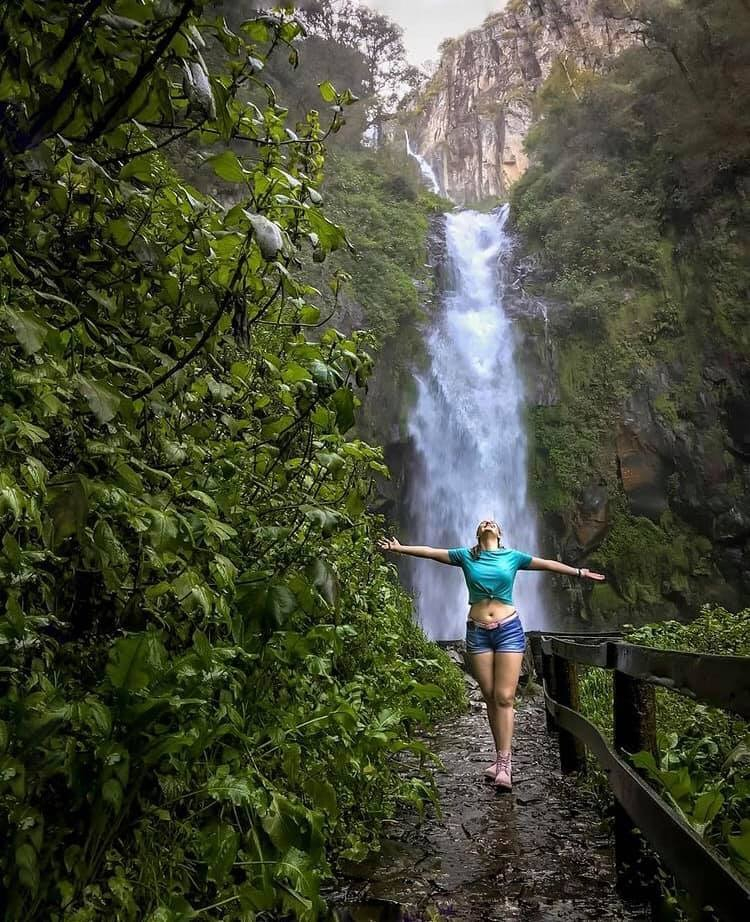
491	574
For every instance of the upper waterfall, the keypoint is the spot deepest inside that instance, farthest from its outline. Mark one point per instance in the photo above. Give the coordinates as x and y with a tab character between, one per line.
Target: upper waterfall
468	428
427	172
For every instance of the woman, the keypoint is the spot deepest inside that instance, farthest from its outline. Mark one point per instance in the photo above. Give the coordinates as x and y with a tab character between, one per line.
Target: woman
494	637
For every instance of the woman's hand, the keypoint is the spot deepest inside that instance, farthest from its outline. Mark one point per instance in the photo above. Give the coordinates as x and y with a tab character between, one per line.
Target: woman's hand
589	574
390	544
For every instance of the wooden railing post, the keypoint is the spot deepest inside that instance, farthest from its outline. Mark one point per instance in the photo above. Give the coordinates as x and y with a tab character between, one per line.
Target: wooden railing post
549	682
634	731
535	646
572	750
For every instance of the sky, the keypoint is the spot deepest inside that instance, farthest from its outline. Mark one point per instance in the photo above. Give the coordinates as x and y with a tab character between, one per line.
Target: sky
427	22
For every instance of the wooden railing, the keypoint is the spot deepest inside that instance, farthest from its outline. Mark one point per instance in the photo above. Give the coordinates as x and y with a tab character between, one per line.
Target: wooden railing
720	681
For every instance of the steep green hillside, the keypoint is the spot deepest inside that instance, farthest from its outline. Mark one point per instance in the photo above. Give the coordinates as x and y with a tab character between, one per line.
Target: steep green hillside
636	209
379	198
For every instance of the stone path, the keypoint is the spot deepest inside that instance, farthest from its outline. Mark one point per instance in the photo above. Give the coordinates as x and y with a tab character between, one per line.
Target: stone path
539	854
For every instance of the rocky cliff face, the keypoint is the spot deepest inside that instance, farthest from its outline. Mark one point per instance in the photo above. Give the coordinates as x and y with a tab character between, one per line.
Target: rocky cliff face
472	118
683	475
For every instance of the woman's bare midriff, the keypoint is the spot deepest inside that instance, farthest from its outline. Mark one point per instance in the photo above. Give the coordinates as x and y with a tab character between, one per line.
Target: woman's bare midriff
490	610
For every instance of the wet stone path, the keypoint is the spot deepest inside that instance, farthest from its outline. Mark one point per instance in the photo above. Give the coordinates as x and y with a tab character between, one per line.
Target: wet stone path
538	854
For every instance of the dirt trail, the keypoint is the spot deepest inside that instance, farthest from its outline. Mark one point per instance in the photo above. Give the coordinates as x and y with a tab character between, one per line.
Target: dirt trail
538	854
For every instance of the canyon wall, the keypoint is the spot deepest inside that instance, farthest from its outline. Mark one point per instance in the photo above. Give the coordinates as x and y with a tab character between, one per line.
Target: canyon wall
471	119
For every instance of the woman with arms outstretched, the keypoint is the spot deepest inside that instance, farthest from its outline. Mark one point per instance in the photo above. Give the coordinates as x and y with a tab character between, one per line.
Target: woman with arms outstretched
494	636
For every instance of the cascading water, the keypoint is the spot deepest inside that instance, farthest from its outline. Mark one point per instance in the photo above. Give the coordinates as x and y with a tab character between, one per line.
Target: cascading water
428	173
468	429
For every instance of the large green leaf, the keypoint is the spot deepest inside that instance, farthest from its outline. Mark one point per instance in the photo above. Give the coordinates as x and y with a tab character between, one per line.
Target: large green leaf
30	331
192	592
705	809
28	866
135	661
220	844
327	520
227	166
325	580
343	400
286	823
739	848
69	507
232	789
328	91
268	604
103	399
323	796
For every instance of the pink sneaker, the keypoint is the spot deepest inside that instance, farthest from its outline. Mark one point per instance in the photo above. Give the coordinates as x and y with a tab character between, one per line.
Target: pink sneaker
502	778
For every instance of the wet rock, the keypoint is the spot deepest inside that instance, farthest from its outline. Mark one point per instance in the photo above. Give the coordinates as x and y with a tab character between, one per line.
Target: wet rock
738	425
732	525
456	656
715	374
592	518
371	910
471	683
643	476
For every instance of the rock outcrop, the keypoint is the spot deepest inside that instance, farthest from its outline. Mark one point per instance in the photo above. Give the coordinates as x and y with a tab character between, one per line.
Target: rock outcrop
471	120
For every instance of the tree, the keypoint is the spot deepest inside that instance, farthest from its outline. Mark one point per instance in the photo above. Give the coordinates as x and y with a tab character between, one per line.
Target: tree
322	61
380	40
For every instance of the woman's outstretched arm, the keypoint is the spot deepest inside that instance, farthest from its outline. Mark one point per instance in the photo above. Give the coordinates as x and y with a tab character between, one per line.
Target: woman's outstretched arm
539	563
431	553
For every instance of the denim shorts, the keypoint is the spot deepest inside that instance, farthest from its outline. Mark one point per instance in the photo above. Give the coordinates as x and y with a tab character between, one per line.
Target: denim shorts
507	637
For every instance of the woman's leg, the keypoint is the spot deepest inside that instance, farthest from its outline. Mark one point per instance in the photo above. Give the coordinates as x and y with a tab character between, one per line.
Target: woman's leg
483	669
507	670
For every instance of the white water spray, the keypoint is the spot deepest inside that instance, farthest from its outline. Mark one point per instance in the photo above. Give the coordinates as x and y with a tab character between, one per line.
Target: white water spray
468	428
427	172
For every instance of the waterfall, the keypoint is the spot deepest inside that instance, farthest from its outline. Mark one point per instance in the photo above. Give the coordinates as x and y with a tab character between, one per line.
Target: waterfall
427	172
468	429
543	309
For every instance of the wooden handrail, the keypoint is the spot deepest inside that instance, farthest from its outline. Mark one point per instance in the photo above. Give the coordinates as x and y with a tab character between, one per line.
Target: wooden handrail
720	681
698	869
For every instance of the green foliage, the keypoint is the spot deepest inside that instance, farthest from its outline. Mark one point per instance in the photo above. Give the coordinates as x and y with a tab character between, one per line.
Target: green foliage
574	225
642	557
703	764
666	408
380	198
211	684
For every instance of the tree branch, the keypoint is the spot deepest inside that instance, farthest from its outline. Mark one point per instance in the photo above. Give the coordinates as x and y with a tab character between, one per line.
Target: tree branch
75	29
143	71
205	336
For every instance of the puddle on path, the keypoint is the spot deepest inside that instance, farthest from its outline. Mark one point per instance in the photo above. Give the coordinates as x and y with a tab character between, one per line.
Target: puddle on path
538	854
